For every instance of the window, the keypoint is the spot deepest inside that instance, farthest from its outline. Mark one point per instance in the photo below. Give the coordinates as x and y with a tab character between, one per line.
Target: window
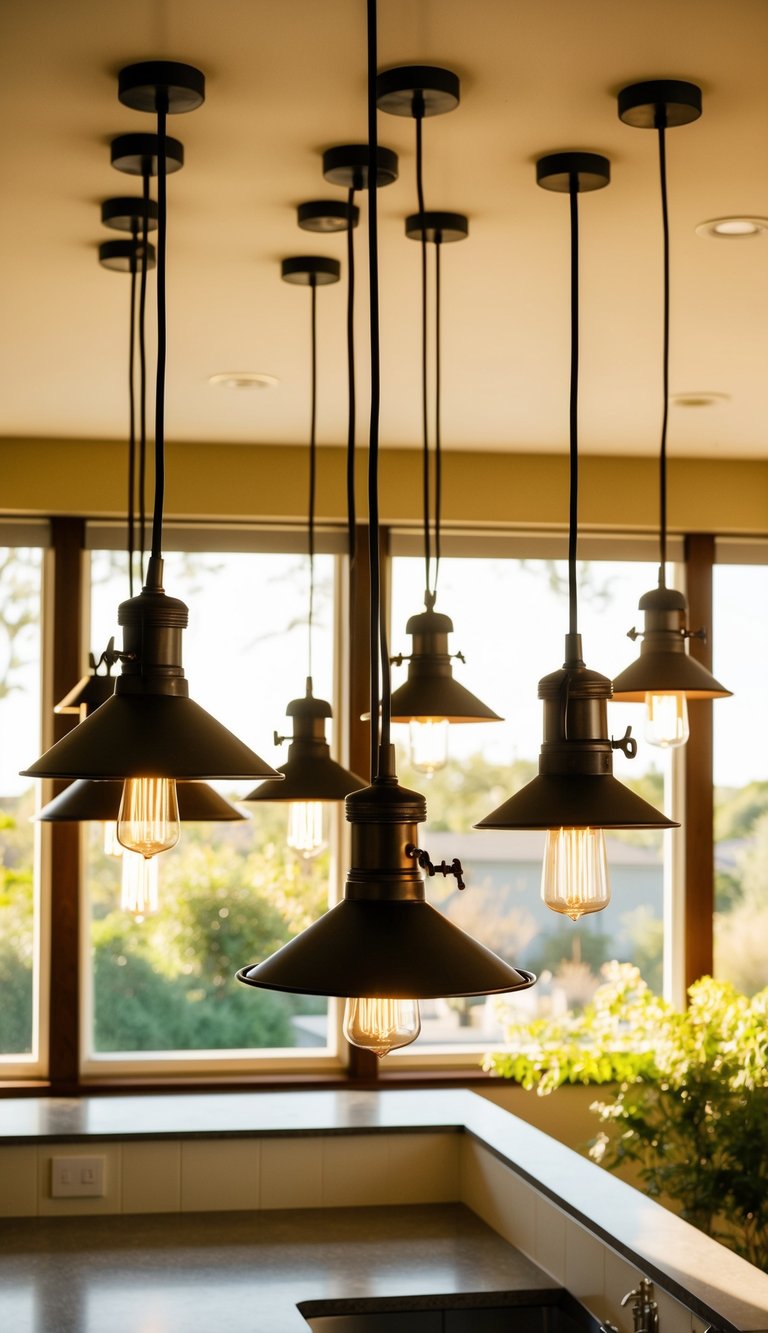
493	604
21	569
161	985
741	776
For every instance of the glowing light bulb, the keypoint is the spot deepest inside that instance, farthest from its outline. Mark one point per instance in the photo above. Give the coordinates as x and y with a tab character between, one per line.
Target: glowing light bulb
666	720
306	828
429	744
139	886
148	821
111	845
574	877
381	1025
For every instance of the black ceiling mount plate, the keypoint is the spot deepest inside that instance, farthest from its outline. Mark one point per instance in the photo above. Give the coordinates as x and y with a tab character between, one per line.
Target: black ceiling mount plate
310	270
126	214
124	256
326	215
437	227
347	165
400	91
659	103
135	153
555	171
144	85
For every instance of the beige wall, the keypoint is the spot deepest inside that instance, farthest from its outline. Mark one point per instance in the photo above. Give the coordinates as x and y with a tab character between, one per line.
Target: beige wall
268	482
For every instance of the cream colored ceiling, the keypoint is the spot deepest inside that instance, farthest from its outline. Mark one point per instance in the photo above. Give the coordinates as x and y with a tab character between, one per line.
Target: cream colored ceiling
286	79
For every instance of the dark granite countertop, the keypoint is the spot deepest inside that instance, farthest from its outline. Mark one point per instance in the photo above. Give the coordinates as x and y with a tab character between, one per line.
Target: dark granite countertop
718	1286
203	1273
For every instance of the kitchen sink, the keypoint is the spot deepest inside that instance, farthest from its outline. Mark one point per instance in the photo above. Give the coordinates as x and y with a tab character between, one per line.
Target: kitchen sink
567	1317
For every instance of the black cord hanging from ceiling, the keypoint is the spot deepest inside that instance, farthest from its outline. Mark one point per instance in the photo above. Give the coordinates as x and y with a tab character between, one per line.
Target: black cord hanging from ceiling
573	516
142	484
312	470
132	420
380	731
351	383
162	217
661	121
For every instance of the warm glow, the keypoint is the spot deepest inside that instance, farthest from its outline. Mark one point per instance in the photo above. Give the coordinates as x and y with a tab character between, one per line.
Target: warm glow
148	821
429	744
574	877
381	1025
139	887
306	828
666	720
111	844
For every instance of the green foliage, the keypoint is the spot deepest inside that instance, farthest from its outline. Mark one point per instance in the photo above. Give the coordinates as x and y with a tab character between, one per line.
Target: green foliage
738	809
229	896
690	1107
462	793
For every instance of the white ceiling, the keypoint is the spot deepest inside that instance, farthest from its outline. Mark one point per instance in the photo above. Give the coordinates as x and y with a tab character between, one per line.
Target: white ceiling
286	79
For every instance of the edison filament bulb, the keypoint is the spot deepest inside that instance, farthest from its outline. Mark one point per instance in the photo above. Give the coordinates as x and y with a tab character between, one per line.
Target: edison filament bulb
666	720
306	832
574	877
381	1025
429	744
139	885
148	821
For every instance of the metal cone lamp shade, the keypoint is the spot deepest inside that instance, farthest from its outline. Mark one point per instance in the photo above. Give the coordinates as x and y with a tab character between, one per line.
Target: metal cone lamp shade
150	727
665	666
310	773
85	800
311	776
431	692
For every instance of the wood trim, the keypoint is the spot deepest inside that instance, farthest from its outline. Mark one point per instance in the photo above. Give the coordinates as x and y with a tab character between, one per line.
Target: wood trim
67	540
698	828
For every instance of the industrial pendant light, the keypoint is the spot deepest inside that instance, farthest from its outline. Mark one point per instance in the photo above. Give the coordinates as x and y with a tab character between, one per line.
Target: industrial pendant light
430	699
150	733
664	676
311	777
384	946
575	797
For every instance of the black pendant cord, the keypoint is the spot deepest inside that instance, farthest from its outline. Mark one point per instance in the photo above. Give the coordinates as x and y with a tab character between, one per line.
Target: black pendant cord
661	127
312	472
157	518
418	112
351	383
573	516
438	428
380	733
132	422
143	378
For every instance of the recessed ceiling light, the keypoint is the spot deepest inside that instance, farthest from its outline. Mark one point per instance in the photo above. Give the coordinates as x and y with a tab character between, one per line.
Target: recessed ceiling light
733	229
243	379
701	398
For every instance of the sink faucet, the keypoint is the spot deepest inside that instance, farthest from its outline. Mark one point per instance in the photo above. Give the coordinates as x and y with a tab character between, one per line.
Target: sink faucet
645	1310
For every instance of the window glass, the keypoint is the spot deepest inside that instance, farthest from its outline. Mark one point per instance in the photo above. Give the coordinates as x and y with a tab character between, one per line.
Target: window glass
510	617
20	599
741	777
228	893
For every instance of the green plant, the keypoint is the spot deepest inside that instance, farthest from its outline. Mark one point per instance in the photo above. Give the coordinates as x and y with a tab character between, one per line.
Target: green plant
690	1107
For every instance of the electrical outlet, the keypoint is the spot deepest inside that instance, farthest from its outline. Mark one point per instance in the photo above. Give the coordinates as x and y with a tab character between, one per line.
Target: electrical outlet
77	1177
